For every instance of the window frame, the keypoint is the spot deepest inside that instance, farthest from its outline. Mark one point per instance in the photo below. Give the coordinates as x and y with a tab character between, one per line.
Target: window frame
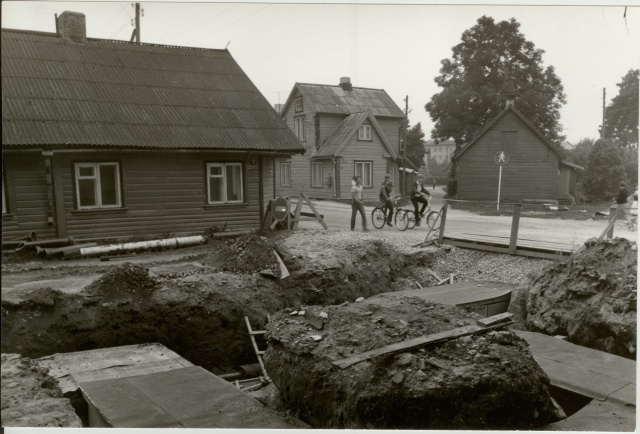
364	132
316	164
223	176
300	128
285	182
297	103
97	185
364	163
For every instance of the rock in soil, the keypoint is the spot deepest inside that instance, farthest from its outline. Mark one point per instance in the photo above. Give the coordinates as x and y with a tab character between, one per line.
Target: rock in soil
591	299
31	398
482	381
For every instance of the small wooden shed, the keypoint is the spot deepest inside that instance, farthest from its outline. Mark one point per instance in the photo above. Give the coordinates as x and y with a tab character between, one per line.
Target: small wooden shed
535	169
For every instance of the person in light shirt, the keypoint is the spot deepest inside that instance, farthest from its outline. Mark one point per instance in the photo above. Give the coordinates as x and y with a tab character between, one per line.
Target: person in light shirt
357	203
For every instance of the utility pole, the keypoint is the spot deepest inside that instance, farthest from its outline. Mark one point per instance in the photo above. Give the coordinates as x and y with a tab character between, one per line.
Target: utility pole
604	96
136	31
404	145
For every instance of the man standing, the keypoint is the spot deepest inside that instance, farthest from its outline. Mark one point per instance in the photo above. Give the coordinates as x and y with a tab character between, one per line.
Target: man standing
385	196
419	194
357	204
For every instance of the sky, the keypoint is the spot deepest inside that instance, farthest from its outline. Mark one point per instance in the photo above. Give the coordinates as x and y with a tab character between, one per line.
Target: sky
397	48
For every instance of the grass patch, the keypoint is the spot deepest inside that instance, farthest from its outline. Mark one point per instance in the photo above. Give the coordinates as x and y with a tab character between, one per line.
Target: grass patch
538	210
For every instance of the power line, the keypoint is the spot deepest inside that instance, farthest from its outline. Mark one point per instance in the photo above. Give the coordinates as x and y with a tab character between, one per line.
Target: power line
123	9
203	22
233	22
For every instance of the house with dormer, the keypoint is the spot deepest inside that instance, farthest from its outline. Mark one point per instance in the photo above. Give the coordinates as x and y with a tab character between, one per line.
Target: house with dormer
345	131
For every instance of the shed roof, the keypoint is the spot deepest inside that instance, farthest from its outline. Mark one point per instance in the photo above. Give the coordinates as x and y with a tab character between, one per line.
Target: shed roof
337	140
321	98
106	93
512	109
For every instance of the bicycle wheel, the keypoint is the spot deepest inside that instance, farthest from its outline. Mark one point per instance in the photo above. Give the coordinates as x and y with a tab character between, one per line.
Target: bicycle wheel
411	219
433	220
377	218
401	220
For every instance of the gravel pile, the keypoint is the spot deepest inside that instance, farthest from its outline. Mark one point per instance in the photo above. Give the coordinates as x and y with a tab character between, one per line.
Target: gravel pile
466	264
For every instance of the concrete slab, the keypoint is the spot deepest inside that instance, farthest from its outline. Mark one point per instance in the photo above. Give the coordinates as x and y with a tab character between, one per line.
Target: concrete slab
589	372
598	416
71	369
189	397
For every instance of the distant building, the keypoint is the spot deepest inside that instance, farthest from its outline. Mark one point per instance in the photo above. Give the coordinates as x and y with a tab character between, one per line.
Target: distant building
346	131
533	166
442	151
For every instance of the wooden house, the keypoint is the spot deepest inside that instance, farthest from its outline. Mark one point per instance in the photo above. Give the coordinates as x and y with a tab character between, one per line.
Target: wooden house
345	131
104	138
535	169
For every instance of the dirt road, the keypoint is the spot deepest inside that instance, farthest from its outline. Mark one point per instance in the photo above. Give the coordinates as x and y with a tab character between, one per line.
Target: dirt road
559	230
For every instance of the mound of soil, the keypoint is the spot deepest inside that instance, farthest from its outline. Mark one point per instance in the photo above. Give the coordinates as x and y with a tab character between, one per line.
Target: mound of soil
31	398
245	255
124	281
591	299
482	381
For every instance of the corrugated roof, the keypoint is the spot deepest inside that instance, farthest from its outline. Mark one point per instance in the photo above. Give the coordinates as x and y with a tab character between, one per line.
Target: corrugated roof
110	93
333	99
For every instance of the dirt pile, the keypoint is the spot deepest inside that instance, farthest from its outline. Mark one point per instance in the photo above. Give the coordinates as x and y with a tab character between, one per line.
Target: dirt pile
31	398
123	281
245	254
482	381
591	299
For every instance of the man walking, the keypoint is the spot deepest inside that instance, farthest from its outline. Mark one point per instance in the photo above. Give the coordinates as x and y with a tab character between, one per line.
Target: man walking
357	204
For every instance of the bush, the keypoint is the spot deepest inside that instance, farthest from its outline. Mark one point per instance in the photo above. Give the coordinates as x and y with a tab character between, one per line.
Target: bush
605	169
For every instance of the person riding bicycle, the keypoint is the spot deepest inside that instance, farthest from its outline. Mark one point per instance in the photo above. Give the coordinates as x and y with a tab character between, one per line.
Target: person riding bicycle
419	194
385	197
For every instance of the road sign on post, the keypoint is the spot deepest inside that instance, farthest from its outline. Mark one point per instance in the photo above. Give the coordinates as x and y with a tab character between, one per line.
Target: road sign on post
501	158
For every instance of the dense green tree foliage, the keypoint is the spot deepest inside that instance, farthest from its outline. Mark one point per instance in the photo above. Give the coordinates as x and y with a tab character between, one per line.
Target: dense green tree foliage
605	169
493	63
621	116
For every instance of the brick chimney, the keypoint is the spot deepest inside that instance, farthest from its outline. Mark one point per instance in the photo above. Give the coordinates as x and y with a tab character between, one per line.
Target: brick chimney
72	26
345	83
510	103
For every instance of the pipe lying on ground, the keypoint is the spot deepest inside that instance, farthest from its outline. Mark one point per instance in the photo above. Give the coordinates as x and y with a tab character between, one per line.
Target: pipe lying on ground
15	242
65	252
54	242
143	245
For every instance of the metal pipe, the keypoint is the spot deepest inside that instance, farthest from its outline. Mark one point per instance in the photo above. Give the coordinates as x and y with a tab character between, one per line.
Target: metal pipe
66	252
142	245
52	242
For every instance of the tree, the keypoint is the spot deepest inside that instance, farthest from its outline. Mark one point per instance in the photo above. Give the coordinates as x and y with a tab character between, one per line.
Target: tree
580	153
621	116
493	63
605	170
415	145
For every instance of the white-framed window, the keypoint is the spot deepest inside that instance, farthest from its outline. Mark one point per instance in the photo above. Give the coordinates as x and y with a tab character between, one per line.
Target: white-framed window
299	129
316	174
364	170
224	183
285	174
98	185
364	132
298	104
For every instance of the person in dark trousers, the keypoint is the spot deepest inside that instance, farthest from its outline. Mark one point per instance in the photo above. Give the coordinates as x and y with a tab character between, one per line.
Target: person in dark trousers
419	194
357	203
385	197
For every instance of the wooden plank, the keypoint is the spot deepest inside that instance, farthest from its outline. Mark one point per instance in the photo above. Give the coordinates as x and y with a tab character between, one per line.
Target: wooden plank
495	249
515	223
313	208
495	319
416	342
442	223
521	242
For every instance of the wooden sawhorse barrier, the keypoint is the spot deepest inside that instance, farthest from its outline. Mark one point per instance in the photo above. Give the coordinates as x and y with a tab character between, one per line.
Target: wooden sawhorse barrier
277	213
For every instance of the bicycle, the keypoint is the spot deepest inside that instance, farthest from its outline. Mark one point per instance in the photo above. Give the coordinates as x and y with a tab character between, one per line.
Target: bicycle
409	219
379	213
